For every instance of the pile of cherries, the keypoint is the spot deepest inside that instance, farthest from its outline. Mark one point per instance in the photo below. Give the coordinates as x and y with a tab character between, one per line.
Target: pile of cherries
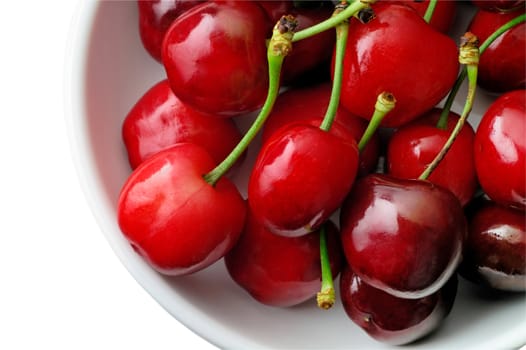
362	173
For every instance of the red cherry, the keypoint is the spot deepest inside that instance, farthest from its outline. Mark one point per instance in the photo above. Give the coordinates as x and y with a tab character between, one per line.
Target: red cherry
501	66
500	150
159	120
300	177
155	17
309	105
215	57
499	5
414	146
389	53
172	217
402	236
281	271
443	16
394	320
495	251
275	9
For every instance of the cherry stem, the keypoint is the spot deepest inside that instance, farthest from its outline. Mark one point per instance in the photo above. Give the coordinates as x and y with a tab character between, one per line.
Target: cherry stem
469	56
442	121
354	7
326	296
342	31
279	46
430	10
385	102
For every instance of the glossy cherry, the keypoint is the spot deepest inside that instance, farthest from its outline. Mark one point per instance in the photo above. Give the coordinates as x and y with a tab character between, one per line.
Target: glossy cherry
414	146
444	13
308	105
495	251
216	59
300	177
159	120
390	319
501	66
155	17
402	236
500	149
176	220
281	271
499	5
391	53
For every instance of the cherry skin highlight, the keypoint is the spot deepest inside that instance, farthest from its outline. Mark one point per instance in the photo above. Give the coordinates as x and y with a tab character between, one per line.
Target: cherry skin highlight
500	150
495	251
158	120
414	146
402	236
281	271
215	57
390	319
300	177
173	218
390	53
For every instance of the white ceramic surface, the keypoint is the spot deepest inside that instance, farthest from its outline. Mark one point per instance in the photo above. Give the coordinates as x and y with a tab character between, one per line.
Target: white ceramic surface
108	71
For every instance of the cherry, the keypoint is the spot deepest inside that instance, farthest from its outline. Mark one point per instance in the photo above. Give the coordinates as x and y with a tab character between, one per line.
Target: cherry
155	17
388	54
500	149
443	15
501	66
312	167
390	319
495	251
176	220
281	271
308	105
499	5
402	236
275	8
215	57
159	120
312	53
414	146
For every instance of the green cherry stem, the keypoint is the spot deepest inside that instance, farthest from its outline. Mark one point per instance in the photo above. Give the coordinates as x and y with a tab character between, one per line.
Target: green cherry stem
326	296
385	102
354	7
469	56
442	121
279	46
342	31
430	10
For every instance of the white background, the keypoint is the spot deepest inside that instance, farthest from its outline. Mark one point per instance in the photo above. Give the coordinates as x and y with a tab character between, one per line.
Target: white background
61	286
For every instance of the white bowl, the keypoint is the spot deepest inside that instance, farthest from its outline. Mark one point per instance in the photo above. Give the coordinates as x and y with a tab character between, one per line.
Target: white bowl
108	71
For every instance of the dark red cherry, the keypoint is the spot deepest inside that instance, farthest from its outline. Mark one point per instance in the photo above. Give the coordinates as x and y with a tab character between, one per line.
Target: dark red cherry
390	319
176	220
281	271
391	53
500	150
495	251
402	236
309	105
300	177
159	120
275	9
499	5
414	146
443	16
311	53
501	65
155	17
215	57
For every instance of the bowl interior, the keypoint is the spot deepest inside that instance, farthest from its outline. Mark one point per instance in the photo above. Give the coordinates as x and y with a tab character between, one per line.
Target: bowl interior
109	71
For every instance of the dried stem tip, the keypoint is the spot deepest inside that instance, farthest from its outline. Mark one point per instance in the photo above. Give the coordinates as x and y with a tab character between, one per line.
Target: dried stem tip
469	49
281	41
